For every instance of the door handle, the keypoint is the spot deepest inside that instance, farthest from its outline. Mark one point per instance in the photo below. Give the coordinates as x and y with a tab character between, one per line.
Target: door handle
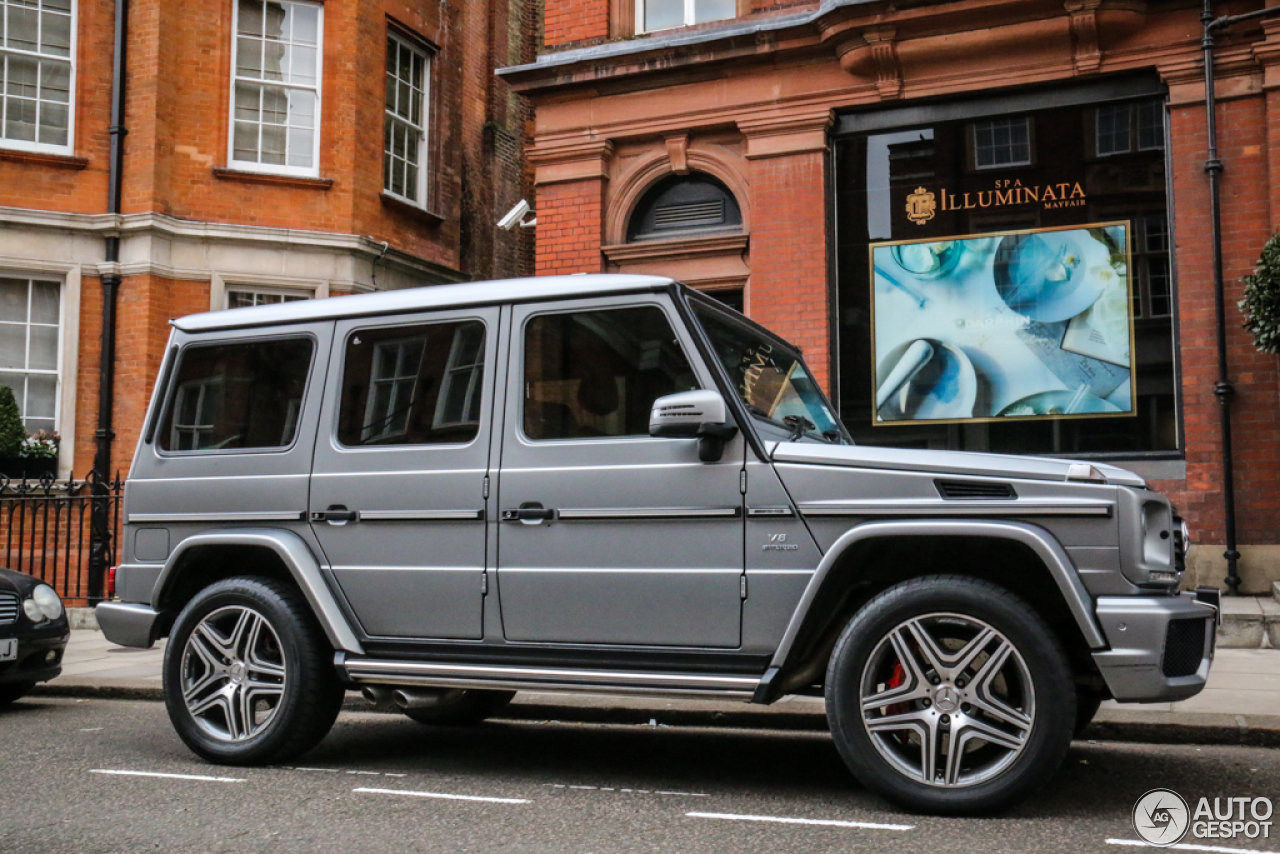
336	514
530	513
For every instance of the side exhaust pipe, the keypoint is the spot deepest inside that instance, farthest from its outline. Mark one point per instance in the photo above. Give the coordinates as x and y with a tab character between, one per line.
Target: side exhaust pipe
420	698
378	695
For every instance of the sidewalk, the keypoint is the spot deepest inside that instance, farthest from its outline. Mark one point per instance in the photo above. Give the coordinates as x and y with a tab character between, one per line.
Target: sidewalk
1241	704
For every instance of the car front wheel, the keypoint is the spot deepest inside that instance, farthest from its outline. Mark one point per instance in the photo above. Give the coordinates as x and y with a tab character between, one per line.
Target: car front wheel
948	694
248	674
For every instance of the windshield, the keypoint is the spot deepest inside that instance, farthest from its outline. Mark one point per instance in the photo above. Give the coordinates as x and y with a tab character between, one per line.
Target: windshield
771	380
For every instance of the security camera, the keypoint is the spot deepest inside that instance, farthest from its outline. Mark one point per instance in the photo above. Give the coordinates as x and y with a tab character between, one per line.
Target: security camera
514	216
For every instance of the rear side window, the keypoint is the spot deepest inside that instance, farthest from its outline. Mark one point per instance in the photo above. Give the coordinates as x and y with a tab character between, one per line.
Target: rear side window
412	385
237	395
597	373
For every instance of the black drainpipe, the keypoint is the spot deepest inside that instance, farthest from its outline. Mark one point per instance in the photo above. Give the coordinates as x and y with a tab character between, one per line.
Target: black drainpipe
1223	388
100	527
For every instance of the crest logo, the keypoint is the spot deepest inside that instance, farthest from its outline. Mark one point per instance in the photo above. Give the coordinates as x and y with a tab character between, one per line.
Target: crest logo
921	206
1161	817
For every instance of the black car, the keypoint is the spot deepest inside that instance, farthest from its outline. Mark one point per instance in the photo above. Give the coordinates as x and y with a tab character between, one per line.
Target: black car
33	634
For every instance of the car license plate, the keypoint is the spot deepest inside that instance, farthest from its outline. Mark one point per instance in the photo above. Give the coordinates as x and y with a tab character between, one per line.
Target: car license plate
8	649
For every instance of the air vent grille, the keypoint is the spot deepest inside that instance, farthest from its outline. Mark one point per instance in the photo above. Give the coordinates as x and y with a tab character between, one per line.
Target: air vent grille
689	214
8	608
972	489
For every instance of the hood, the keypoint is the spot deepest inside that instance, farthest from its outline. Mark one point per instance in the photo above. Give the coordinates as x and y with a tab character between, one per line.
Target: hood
941	462
18	582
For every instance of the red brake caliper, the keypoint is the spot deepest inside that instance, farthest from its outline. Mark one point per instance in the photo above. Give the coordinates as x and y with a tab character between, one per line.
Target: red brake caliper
899	676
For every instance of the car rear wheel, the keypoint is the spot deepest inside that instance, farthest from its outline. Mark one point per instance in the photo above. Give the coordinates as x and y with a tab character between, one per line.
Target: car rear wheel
460	707
248	674
947	694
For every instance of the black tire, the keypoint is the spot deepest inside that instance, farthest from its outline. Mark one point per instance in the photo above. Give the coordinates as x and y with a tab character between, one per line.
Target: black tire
13	693
461	707
259	635
1017	687
1087	705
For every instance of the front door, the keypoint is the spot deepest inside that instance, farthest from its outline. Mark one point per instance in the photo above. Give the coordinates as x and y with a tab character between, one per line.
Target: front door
398	487
609	536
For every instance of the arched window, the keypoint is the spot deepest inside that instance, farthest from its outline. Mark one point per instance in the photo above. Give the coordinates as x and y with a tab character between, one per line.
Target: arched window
684	205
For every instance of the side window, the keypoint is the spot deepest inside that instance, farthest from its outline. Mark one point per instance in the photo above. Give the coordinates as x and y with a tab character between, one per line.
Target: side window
597	373
237	395
412	385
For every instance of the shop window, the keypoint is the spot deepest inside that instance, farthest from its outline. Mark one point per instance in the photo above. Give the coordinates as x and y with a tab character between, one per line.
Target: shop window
404	150
1122	128
30	348
994	256
1002	142
412	385
682	206
244	297
654	15
37	46
276	87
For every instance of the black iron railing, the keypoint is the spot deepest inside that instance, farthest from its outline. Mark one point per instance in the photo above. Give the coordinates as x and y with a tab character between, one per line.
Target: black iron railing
46	530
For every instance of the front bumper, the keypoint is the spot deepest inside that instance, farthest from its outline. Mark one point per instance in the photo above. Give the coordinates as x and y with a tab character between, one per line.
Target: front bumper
39	659
1161	647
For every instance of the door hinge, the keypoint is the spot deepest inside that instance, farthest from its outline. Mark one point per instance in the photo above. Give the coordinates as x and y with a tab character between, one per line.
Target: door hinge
742	586
742	481
484	583
486	487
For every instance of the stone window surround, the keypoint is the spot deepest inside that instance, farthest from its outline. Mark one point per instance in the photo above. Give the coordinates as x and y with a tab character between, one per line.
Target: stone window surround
220	283
69	345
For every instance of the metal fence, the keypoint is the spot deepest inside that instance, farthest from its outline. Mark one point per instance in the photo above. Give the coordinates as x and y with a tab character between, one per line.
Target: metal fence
47	529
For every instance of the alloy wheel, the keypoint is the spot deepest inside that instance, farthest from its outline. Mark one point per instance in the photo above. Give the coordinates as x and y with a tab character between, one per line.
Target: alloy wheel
233	673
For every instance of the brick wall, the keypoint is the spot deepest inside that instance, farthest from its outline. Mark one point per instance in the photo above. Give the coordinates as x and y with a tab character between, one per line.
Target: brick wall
568	21
570	227
788	290
1246	224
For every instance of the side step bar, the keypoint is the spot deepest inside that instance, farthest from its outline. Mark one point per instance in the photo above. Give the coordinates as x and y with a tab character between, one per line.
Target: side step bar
367	671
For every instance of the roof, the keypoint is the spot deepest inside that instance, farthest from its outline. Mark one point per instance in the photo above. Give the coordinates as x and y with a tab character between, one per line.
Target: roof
422	299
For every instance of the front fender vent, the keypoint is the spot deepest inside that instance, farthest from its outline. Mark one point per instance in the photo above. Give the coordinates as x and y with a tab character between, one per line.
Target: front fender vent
968	490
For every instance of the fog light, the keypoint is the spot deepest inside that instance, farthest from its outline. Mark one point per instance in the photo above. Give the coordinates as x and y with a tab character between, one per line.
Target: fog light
50	656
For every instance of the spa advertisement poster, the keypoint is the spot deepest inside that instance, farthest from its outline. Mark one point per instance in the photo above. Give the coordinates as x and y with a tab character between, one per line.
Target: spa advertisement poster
1011	325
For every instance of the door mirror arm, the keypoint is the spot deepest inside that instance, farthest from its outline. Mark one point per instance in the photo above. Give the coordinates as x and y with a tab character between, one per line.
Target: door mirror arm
712	439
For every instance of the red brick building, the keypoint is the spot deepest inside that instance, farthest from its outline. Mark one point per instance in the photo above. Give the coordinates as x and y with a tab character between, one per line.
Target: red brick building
786	154
275	149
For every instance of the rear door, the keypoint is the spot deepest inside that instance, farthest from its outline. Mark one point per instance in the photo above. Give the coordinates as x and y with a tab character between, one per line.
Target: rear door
609	536
398	486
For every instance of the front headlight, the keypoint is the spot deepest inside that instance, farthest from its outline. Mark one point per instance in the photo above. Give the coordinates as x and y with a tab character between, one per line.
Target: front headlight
44	604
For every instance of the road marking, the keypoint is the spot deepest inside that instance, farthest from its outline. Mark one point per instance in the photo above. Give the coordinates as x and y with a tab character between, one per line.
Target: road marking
1187	846
168	776
628	791
864	825
367	773
92	729
442	795
325	770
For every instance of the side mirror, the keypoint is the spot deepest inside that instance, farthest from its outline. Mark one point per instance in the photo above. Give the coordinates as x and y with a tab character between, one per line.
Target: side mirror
700	415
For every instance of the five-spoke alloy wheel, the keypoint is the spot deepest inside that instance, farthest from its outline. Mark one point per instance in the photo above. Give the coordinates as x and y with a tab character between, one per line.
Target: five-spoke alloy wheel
248	676
950	694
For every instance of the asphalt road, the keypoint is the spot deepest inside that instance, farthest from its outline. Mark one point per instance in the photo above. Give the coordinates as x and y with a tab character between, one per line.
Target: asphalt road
73	778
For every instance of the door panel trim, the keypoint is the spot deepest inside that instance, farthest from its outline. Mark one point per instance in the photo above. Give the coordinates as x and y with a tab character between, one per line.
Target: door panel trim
422	515
590	513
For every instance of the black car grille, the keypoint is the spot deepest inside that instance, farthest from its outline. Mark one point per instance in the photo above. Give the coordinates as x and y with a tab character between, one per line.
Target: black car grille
961	489
1183	648
8	608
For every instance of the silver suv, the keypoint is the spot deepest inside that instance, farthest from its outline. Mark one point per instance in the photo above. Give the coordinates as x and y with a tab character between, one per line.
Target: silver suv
615	484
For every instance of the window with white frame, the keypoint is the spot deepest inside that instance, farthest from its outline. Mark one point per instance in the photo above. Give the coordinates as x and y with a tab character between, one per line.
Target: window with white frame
36	42
276	87
244	297
197	407
30	345
653	15
393	385
1002	142
1122	128
459	402
405	125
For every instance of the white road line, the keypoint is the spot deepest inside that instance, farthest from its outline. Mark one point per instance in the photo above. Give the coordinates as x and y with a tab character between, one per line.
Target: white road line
367	773
1187	846
325	770
628	791
864	825
442	795
168	776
